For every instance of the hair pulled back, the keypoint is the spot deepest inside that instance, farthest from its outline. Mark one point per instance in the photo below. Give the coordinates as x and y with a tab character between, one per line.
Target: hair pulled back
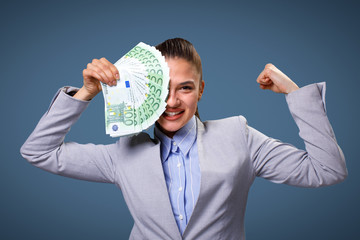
181	48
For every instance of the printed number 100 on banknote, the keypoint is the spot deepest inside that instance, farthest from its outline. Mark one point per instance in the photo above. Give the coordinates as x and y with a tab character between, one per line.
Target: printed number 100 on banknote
138	99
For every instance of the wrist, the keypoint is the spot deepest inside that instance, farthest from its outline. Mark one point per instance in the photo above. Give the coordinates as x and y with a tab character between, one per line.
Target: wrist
84	95
293	88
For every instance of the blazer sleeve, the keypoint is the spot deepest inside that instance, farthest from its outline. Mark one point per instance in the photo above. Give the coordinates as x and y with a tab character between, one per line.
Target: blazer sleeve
45	147
322	163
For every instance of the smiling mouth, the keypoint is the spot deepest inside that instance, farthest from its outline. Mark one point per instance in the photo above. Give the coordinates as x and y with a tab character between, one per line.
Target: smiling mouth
170	114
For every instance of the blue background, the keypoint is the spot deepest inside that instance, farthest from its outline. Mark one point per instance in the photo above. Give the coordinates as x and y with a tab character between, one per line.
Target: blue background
45	45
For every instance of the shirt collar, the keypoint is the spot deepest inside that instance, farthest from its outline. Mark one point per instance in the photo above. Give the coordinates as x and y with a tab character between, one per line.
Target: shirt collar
184	138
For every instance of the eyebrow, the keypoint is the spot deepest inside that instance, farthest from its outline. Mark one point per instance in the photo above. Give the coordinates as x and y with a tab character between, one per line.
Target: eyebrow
187	82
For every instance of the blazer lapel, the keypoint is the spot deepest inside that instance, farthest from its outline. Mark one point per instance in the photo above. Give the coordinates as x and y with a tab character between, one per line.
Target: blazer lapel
204	184
143	184
163	209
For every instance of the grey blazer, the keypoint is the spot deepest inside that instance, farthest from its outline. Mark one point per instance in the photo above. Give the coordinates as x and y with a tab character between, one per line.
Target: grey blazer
231	155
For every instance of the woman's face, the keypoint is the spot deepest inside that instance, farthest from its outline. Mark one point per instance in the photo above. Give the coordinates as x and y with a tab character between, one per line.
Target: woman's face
184	93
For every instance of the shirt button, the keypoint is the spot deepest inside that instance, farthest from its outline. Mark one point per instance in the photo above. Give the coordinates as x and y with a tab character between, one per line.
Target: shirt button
181	217
178	165
180	189
174	143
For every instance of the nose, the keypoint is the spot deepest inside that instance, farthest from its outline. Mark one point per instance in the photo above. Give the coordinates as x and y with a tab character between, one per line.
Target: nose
173	101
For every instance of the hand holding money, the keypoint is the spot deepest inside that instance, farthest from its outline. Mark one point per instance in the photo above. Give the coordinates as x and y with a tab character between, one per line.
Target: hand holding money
139	98
135	101
99	70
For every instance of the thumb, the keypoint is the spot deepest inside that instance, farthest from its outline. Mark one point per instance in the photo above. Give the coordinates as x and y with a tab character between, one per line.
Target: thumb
274	73
282	82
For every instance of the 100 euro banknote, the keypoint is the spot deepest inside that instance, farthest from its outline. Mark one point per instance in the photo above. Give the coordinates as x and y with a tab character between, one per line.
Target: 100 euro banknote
138	99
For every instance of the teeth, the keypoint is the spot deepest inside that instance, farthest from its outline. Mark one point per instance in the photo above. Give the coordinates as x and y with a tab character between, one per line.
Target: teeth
172	113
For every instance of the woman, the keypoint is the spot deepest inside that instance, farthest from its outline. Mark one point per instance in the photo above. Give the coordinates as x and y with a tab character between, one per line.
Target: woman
192	180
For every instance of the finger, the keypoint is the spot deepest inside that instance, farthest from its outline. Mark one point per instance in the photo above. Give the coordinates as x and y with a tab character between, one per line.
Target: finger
105	64
270	66
103	78
91	73
112	68
93	68
266	81
264	77
276	74
260	77
106	73
264	87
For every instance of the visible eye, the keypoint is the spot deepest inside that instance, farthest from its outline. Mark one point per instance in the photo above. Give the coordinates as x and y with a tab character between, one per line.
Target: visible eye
188	88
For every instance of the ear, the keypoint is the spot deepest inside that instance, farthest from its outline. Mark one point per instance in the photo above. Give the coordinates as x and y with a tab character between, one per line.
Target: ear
201	90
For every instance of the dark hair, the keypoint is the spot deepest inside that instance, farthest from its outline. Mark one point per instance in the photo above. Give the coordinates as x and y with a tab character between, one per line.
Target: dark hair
181	48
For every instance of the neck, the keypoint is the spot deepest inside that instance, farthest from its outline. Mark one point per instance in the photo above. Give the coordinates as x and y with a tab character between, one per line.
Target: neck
167	133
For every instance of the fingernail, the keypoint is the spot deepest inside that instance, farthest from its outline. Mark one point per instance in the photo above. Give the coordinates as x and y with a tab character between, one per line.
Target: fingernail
117	76
114	83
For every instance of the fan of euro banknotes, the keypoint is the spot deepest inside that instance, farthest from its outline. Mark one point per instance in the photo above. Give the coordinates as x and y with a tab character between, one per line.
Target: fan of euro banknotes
139	98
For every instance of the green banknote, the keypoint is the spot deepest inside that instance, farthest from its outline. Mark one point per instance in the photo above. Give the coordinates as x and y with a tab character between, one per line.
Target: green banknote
139	98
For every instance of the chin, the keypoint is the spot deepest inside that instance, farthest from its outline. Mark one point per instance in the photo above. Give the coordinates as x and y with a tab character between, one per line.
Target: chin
170	126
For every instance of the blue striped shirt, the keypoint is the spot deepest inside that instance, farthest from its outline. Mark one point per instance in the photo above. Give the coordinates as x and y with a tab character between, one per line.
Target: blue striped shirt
180	162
